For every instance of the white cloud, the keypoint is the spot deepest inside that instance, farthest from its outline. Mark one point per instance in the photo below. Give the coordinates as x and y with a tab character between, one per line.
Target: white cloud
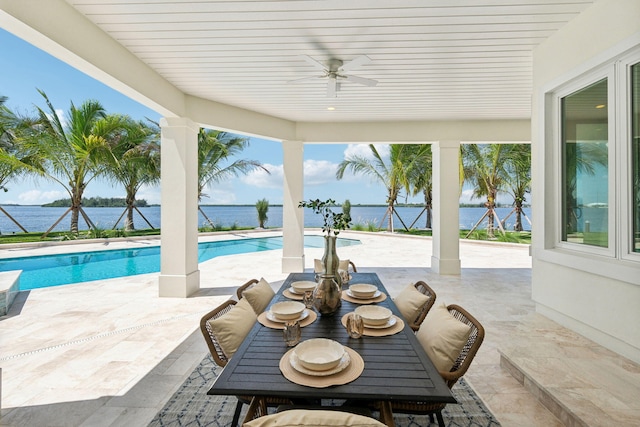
363	150
316	172
467	196
220	196
37	197
319	172
150	194
261	179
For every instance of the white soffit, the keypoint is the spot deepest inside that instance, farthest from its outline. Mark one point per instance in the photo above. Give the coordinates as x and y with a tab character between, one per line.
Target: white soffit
433	59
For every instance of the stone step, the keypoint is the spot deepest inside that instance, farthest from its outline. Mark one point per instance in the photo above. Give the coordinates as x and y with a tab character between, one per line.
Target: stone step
579	381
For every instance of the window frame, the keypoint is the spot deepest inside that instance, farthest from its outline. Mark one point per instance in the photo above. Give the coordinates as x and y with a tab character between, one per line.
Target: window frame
604	72
624	126
617	71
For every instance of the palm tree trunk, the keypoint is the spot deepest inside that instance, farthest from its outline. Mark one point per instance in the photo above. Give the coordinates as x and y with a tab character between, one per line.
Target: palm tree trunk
128	223
518	225
75	213
491	205
428	202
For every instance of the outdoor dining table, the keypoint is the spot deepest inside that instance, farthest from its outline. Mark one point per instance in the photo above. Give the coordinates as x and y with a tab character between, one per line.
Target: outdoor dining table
395	366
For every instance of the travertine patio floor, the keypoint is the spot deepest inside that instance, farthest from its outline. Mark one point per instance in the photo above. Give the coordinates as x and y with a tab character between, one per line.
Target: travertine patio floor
111	352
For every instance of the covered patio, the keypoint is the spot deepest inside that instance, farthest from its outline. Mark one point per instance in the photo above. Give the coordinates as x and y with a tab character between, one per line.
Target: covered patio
446	74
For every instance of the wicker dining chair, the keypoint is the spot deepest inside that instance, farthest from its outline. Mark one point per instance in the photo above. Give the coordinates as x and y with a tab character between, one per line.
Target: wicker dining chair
317	266
459	368
221	359
244	287
425	289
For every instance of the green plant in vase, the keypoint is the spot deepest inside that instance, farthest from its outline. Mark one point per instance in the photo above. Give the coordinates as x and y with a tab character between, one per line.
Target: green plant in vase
333	222
328	292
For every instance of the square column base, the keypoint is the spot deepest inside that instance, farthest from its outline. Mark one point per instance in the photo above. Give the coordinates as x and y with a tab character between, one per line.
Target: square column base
445	266
180	286
293	264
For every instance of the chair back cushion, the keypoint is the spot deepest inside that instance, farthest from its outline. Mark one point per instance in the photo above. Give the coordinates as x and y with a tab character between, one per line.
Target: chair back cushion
259	295
318	267
410	302
443	337
315	418
231	328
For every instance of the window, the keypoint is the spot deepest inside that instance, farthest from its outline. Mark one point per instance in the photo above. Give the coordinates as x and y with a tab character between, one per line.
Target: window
635	155
585	174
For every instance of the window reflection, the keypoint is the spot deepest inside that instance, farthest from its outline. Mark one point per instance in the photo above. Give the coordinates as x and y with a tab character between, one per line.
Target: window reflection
585	172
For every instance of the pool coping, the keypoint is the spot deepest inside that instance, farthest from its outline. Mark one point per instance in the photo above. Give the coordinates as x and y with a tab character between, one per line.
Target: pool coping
9	286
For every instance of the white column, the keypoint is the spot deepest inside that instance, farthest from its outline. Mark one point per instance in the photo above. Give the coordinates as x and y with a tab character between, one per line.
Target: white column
179	274
292	216
446	209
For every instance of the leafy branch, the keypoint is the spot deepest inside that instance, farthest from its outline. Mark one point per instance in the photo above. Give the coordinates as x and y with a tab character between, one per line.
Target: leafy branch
333	222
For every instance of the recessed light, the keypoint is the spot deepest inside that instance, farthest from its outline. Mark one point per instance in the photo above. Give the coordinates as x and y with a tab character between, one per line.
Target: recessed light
600	106
331	108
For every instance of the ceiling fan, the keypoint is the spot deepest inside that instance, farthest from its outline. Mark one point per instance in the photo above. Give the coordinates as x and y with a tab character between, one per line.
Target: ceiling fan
335	71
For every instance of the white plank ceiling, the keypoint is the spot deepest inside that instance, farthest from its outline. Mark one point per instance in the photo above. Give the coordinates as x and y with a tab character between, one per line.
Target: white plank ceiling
432	59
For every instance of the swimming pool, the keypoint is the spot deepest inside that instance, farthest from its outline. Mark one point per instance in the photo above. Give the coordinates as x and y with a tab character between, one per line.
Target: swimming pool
62	269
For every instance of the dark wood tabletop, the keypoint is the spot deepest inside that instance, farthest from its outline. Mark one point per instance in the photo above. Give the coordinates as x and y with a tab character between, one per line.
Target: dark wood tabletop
395	367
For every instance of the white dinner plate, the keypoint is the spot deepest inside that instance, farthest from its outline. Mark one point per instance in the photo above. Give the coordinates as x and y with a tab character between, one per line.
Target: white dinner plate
273	317
295	362
307	284
392	321
376	294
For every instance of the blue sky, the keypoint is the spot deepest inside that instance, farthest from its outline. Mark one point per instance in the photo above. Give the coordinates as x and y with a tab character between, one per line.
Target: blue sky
26	68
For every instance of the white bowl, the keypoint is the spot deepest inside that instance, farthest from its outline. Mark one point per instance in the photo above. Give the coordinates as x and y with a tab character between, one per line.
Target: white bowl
373	314
363	290
287	310
301	287
319	354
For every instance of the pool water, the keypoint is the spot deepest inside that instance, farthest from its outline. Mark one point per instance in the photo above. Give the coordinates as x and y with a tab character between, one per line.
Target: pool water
63	269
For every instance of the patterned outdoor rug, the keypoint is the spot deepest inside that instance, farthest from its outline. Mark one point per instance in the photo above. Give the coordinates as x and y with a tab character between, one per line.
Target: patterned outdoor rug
191	406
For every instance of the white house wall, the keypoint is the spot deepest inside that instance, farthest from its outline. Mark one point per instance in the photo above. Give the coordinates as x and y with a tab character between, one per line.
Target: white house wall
597	296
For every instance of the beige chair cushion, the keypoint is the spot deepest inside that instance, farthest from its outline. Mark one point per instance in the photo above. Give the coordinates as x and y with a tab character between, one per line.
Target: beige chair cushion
259	295
313	417
343	264
232	327
410	302
318	267
443	336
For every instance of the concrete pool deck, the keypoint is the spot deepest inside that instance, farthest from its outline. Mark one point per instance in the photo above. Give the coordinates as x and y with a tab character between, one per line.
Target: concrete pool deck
111	352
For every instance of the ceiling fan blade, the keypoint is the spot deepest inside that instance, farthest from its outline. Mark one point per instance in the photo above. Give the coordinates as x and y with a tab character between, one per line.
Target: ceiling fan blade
361	80
356	62
332	87
304	79
315	63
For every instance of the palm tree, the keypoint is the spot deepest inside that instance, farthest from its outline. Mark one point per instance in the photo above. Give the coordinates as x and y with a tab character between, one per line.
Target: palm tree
262	206
9	122
517	180
215	148
73	153
135	162
13	159
393	174
484	166
421	179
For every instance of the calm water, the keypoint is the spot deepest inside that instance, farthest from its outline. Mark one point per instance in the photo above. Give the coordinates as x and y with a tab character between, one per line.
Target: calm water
53	270
36	218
